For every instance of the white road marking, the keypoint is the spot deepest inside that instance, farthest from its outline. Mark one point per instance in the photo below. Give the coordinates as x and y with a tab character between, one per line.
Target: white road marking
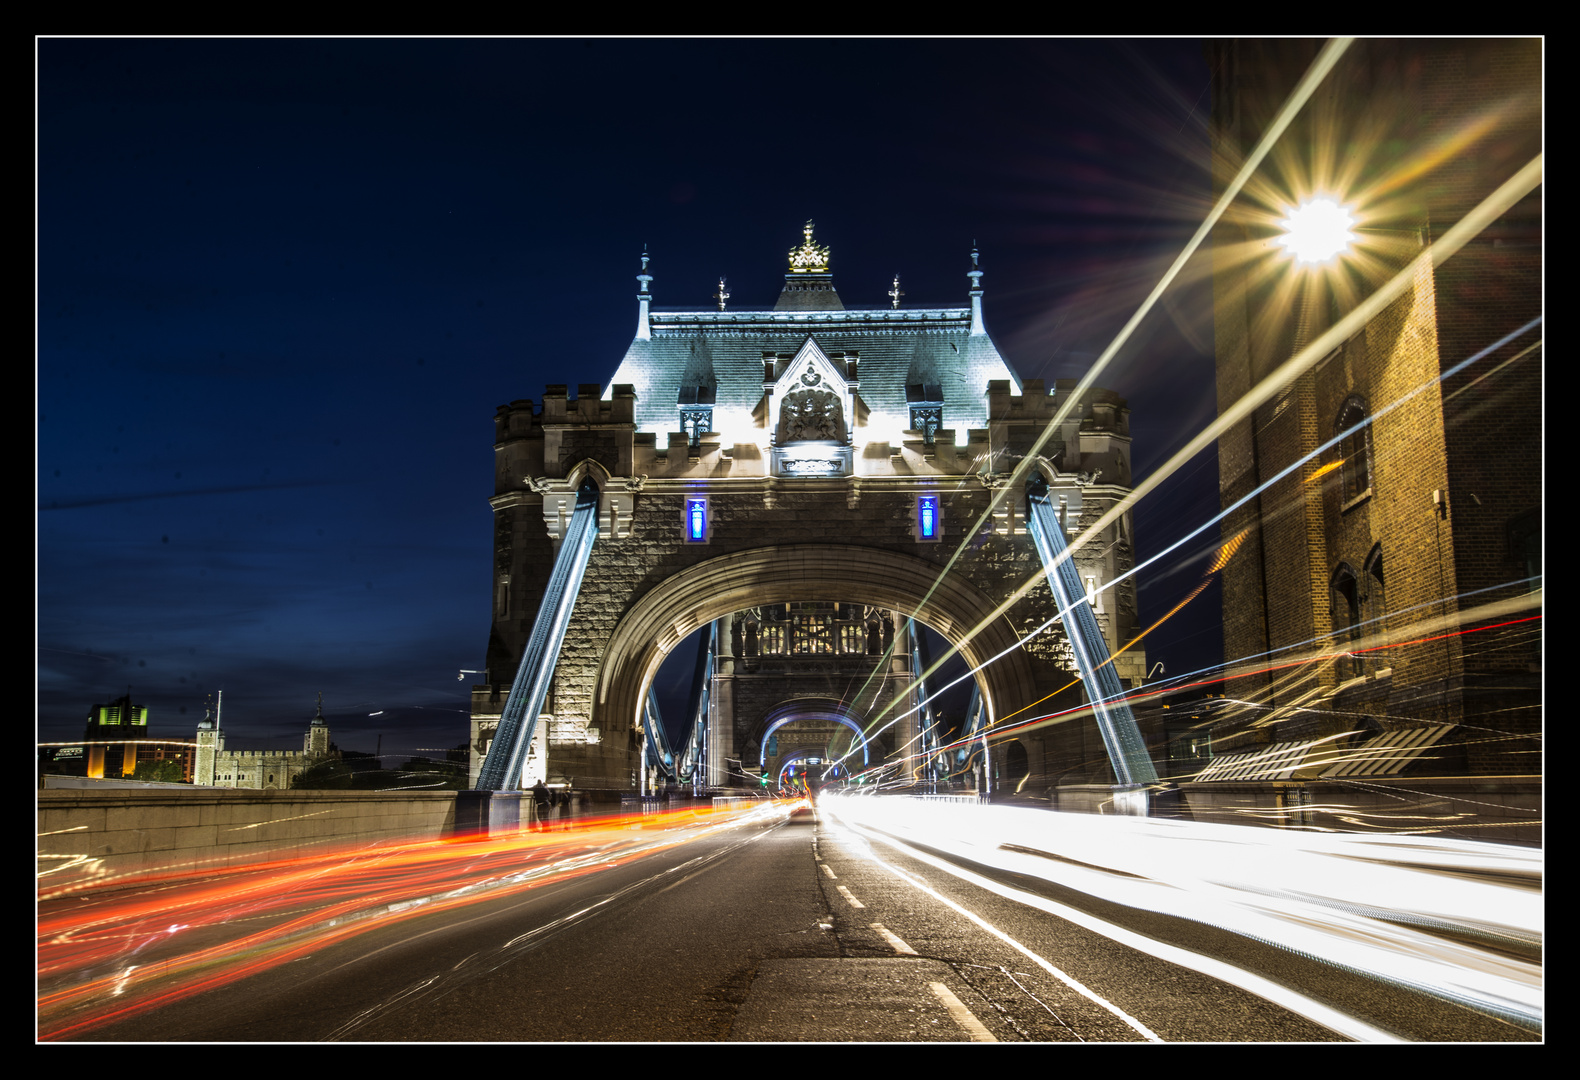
1296	1002
829	872
893	939
846	894
1074	984
963	1016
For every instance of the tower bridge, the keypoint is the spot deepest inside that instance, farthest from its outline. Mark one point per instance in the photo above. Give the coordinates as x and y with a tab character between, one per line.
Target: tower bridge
804	480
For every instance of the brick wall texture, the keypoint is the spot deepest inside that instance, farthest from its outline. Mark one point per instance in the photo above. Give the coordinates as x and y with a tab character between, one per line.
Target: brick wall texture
1421	132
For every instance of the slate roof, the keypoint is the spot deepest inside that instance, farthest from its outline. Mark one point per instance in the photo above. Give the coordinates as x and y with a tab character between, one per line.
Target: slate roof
894	348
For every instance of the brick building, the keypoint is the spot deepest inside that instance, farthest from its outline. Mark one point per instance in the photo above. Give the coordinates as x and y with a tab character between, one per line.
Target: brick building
115	742
801	476
1381	608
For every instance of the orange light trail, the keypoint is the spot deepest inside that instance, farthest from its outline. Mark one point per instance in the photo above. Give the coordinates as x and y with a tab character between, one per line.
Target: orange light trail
179	934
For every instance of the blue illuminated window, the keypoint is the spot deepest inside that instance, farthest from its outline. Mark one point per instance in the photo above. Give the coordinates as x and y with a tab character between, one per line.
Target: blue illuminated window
696	520
928	524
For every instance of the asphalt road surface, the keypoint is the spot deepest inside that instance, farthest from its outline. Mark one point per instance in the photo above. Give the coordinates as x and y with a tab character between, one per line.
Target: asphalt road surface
806	930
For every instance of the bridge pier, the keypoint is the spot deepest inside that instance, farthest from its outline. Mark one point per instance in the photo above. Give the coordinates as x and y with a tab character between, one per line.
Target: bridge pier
488	813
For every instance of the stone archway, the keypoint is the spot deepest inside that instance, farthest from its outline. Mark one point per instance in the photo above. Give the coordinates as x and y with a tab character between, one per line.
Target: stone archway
796	711
1017	766
688	600
829	721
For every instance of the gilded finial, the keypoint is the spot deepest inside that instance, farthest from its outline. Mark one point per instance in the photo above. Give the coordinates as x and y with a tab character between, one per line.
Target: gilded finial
721	295
808	258
895	293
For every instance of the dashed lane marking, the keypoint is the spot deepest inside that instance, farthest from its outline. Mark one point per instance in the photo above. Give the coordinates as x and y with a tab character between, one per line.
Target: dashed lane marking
893	939
963	1016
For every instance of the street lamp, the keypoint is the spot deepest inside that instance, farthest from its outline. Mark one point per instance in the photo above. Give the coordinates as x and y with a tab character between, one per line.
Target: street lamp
1317	231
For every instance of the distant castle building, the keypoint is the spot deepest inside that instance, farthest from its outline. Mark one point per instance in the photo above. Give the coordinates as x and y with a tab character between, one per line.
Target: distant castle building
260	769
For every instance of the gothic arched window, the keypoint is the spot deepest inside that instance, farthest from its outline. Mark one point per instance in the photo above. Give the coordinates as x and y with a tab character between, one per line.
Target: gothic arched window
926	402
1355	448
1346	617
1525	547
696	412
1375	606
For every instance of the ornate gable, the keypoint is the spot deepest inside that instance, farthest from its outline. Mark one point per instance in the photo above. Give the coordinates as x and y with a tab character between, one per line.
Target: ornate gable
813	402
811	408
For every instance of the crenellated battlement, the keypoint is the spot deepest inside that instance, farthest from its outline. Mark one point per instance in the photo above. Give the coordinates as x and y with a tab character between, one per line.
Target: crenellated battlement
1097	410
1092	440
549	438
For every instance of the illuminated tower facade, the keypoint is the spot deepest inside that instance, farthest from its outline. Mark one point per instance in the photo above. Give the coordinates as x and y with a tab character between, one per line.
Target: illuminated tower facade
799	476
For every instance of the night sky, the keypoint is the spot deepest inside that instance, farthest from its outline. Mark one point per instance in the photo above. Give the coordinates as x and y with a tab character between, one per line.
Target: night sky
282	285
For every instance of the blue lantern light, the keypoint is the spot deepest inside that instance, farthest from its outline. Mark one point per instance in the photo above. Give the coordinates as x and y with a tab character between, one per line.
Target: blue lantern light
696	520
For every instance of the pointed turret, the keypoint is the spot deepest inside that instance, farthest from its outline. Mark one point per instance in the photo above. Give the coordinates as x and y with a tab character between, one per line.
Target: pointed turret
644	330
317	742
210	744
975	274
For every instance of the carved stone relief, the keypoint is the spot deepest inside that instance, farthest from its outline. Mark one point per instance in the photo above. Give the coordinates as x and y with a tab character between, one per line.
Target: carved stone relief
811	414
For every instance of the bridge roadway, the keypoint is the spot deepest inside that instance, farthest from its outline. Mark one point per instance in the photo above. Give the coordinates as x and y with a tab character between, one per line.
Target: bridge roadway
791	930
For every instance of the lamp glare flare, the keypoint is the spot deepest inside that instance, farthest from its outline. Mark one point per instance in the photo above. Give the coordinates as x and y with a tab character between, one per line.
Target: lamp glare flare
1318	231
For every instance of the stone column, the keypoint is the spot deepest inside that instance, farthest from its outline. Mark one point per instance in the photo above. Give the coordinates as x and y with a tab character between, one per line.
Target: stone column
721	726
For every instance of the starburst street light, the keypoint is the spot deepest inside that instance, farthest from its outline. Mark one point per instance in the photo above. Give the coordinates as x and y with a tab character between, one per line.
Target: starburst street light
1318	231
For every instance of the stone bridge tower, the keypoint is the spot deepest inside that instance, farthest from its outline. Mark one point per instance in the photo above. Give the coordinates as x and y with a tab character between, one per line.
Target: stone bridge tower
811	477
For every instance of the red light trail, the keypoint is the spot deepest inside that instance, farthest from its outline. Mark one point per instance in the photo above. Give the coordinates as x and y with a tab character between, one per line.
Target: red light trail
177	935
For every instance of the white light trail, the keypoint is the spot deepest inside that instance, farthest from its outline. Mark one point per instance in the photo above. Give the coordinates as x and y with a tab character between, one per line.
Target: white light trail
1516	188
1320	66
1395	909
1219	518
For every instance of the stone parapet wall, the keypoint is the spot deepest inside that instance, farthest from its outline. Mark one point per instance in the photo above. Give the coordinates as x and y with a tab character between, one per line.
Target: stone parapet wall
97	839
